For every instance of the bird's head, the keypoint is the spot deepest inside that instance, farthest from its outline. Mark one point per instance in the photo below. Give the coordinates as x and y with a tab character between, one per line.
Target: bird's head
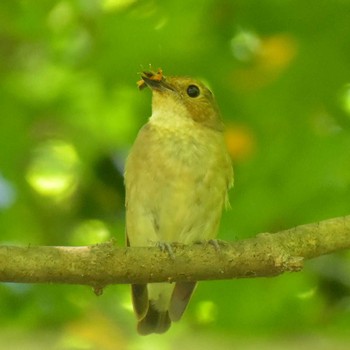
182	96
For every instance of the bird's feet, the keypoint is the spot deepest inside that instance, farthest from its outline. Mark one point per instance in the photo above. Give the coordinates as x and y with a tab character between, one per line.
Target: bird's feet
216	243
166	247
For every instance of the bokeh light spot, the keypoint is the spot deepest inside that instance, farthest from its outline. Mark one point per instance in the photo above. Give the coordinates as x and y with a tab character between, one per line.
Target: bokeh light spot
60	16
240	142
206	312
54	169
308	294
7	193
345	98
116	5
245	45
90	232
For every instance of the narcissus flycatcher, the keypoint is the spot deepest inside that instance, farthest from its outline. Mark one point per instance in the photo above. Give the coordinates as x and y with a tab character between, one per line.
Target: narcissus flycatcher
177	176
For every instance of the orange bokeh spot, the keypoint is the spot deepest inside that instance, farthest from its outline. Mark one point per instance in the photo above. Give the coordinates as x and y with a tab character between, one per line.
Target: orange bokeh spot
240	142
275	55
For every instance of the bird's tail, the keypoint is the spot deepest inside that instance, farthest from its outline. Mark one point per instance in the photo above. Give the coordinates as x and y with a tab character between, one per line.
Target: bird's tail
180	298
151	318
154	322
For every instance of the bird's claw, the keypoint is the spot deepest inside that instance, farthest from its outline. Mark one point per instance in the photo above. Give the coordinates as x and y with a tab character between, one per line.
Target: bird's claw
166	247
216	243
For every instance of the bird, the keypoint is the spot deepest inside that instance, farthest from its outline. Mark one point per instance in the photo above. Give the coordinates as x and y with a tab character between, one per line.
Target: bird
177	176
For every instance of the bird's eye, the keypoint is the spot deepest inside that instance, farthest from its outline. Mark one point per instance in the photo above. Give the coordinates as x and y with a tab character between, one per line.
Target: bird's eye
193	91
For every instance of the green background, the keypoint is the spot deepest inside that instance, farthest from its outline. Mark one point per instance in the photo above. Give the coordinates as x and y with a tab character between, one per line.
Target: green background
70	110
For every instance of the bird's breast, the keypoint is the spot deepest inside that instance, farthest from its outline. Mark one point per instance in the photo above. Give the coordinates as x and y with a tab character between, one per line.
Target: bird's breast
176	180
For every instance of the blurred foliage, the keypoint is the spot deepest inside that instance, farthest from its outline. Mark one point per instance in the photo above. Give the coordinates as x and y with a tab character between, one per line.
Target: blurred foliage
70	110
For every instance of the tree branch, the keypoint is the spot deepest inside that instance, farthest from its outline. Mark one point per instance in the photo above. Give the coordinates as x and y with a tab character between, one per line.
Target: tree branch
102	264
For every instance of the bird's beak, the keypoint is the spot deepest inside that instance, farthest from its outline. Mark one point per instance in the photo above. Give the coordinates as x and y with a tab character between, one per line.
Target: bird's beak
155	81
